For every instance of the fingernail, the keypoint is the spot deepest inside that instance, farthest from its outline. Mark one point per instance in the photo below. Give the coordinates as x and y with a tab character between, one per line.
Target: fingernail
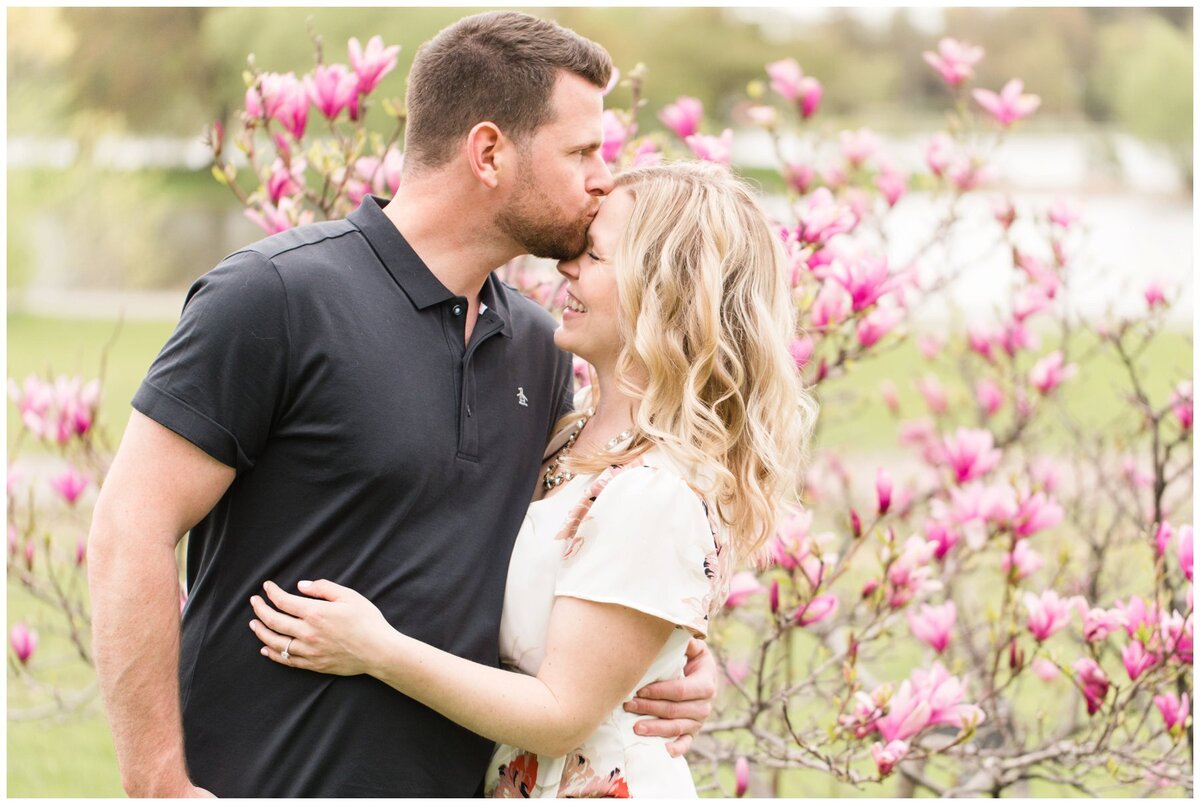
263	651
639	729
265	584
304	585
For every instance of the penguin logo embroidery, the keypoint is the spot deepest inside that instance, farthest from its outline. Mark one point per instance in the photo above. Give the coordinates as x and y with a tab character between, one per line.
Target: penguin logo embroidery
521	398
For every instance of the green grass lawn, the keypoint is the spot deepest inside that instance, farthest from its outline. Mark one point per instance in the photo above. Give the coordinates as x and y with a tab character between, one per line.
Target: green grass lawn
73	756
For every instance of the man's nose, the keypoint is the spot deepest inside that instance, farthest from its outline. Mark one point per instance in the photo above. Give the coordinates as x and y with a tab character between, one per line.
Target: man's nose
601	181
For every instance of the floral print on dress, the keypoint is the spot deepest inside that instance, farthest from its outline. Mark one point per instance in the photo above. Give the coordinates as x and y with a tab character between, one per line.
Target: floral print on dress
718	569
518	777
580	780
570	529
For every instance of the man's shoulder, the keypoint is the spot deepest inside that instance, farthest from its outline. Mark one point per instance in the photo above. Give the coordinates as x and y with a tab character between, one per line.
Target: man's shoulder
301	238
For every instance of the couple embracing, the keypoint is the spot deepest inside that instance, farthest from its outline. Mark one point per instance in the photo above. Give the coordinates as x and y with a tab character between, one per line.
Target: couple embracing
418	564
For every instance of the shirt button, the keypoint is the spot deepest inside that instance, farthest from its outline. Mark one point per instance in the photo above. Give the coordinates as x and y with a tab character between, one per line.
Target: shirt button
457	310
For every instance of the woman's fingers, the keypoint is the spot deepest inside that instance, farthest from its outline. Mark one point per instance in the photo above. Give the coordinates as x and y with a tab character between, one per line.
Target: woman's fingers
292	661
275	620
270	639
296	605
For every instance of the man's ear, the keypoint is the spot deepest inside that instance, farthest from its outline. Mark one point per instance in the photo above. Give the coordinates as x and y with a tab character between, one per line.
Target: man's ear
486	146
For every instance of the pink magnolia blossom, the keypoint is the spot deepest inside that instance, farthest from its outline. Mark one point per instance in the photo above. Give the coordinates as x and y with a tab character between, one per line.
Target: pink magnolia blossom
791	543
615	133
285	180
392	169
878	323
70	484
712	149
1099	623
285	99
945	694
1063	213
887	390
80	551
1133	474
971	454
762	116
1137	615
817	609
1137	659
989	396
30	553
372	64
933	625
331	88
910	575
886	757
1174	710
647	155
1031	301
980	342
892	184
1045	474
1045	669
942	536
1035	512
741	587
967	173
907	714
1094	682
1154	294
1048	613
930	345
865	279
832	305
1010	105
773	596
801	350
1049	373
834	176
1162	537
1015	336
789	81
821	217
683	117
1181	404
934	393
741	774
1004	212
954	61
1176	634
1183	551
1022	560
883	490
940	153
23	641
858	146
798	175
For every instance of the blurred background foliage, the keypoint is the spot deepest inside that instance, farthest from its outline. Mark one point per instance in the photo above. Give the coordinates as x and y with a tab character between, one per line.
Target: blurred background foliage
86	75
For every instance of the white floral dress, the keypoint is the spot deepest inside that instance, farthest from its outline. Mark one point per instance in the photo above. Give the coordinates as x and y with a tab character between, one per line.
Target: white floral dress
640	536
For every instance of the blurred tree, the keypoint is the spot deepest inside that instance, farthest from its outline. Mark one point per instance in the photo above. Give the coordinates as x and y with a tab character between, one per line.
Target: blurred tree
1150	95
145	64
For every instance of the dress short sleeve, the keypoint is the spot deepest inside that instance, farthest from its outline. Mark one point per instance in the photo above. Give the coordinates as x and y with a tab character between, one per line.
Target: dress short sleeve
644	540
221	377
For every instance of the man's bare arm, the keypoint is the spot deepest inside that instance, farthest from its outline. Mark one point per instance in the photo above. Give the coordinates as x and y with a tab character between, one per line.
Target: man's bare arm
159	486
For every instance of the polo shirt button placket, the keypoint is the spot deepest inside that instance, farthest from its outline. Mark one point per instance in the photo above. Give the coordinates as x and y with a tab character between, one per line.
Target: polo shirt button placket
457	310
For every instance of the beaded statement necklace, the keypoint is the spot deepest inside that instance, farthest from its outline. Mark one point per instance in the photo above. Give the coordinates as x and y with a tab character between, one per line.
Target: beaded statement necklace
556	474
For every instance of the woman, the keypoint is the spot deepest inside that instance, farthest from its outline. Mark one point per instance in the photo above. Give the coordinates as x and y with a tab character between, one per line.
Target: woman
693	439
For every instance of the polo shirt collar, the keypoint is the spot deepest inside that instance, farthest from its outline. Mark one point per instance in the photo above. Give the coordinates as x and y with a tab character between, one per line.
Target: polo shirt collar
409	270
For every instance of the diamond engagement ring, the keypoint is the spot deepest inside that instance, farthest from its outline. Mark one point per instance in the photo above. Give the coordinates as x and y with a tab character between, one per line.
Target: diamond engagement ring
285	653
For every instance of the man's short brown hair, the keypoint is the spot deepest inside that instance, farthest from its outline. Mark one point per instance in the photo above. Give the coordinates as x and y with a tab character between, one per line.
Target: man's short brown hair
498	66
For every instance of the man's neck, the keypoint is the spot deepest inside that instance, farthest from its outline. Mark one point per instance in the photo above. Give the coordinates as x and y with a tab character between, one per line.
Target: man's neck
451	230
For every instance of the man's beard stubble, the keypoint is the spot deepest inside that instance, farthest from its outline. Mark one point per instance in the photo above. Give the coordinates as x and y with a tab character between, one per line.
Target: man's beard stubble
528	222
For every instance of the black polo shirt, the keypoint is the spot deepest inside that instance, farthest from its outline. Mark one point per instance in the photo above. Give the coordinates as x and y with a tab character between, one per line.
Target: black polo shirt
373	448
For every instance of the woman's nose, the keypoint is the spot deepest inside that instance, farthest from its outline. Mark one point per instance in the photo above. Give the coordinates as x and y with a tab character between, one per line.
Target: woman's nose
568	268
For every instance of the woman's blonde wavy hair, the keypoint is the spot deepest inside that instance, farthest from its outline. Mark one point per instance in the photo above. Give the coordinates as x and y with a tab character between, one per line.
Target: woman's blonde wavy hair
706	317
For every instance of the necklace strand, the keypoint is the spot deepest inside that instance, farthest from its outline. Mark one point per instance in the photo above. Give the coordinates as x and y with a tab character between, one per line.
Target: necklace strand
556	474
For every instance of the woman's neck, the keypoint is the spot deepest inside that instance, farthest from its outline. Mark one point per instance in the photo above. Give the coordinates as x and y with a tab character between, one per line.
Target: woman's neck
613	416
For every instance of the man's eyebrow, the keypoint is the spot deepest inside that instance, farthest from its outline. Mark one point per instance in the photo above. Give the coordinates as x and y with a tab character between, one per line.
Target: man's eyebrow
592	145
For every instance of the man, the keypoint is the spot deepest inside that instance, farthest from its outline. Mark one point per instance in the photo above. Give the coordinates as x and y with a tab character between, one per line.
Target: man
360	400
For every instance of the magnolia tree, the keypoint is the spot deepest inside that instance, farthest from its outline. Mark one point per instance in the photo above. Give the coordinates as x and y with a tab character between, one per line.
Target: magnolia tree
1007	599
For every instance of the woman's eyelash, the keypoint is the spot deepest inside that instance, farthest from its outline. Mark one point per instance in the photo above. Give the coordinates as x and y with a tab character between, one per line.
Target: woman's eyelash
593	255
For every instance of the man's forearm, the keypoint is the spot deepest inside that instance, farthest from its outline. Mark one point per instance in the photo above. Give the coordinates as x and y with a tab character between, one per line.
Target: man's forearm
135	635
